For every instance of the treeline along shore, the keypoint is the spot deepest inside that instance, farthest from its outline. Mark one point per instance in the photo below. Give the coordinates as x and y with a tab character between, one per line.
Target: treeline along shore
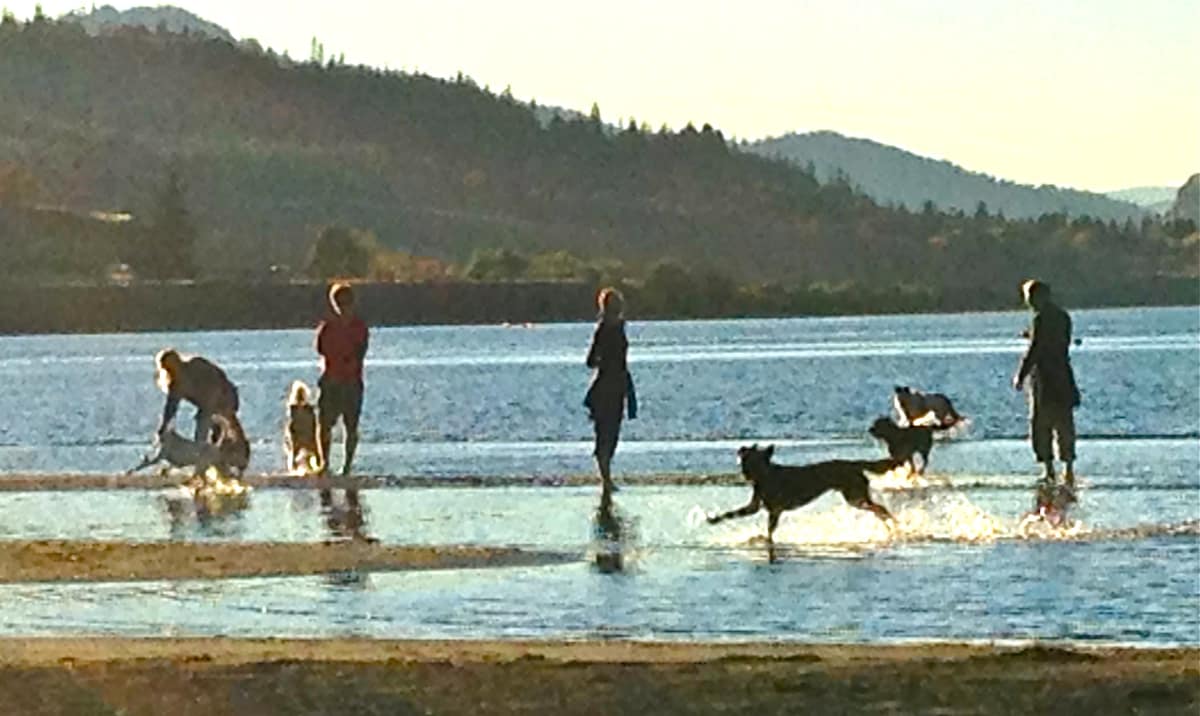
81	308
218	305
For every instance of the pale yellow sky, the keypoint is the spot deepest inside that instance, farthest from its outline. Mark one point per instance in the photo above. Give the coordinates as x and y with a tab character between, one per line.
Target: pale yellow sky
1094	94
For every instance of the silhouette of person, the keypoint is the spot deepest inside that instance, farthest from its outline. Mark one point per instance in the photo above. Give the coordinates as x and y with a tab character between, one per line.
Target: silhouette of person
611	391
1053	394
201	383
342	344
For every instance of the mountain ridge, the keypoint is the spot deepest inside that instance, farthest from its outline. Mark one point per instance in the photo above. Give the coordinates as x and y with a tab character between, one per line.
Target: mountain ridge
171	18
892	175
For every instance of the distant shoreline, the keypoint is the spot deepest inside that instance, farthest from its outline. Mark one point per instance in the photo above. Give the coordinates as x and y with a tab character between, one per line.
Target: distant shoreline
206	306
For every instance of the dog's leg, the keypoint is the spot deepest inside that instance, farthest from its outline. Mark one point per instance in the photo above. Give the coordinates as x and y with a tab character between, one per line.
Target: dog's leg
146	462
879	510
754	506
772	523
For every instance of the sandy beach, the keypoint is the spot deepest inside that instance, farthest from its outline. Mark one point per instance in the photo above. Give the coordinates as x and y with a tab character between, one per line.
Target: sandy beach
236	676
63	560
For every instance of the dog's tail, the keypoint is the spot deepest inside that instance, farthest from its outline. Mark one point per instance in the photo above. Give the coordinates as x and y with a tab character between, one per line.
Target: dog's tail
299	393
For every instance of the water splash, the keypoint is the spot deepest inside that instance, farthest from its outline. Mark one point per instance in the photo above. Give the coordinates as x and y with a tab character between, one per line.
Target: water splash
905	478
919	518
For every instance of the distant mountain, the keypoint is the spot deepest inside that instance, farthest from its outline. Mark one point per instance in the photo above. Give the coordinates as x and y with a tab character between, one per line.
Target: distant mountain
1186	206
890	175
173	19
1145	196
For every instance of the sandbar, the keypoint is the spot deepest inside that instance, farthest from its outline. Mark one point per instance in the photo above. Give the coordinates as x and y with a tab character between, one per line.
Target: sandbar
71	560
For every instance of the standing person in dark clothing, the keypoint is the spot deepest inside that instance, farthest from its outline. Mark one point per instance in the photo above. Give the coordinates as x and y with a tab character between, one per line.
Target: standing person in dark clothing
611	390
1053	393
342	345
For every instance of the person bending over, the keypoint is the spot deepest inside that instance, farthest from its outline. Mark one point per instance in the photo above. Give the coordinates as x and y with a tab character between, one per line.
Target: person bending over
199	382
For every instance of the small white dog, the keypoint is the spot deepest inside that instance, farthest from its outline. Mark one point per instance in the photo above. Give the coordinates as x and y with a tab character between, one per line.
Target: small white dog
300	433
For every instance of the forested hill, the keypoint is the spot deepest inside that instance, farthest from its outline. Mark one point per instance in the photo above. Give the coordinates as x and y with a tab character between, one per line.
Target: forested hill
267	151
891	175
106	18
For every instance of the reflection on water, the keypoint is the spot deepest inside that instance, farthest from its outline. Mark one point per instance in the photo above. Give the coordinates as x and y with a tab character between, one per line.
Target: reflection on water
344	517
191	512
612	536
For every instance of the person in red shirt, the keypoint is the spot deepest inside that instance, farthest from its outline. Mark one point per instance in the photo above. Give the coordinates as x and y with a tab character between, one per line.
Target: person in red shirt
342	345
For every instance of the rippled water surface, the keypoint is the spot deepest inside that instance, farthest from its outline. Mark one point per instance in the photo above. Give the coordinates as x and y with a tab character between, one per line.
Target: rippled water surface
495	401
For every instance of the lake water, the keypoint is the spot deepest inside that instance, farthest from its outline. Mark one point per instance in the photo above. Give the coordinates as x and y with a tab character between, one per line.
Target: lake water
455	402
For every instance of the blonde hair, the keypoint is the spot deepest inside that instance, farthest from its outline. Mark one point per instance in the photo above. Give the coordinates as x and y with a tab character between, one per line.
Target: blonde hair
298	394
163	377
338	293
1034	288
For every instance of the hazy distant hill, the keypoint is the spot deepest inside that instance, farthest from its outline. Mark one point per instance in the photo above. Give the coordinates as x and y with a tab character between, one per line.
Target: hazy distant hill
893	176
174	19
1147	196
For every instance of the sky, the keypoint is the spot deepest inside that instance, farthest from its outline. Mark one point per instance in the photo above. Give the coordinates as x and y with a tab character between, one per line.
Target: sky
1092	94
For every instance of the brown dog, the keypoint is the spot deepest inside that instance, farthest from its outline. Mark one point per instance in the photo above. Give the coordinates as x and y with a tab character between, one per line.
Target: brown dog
780	487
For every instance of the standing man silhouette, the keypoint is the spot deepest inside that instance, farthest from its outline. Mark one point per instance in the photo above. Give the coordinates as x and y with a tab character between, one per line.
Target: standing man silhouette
1053	394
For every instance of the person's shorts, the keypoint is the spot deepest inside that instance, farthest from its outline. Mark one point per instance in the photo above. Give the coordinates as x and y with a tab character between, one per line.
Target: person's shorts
339	400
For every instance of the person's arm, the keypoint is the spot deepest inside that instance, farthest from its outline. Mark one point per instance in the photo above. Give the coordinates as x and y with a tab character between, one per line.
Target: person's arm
362	349
1031	353
169	410
319	340
593	356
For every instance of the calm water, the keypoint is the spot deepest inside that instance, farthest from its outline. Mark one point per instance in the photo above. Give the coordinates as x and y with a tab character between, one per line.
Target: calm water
480	401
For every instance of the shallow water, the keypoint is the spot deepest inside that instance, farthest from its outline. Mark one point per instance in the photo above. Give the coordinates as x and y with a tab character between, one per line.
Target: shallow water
491	401
957	568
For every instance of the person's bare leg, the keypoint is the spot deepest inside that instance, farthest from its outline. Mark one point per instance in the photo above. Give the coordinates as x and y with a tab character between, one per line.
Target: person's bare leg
351	447
324	431
1066	446
604	465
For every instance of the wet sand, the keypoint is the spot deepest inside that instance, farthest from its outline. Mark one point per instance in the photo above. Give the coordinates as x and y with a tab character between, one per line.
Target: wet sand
62	482
63	560
234	676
